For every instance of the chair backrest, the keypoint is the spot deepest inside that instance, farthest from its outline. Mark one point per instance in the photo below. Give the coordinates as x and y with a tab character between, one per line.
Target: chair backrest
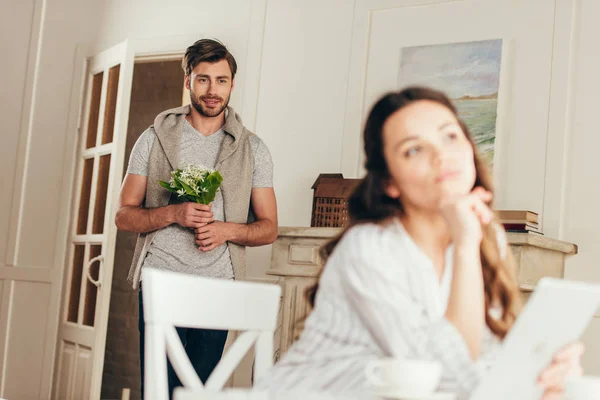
181	300
251	394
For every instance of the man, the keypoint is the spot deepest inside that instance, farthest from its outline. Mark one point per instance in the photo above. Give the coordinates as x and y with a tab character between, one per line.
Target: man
190	238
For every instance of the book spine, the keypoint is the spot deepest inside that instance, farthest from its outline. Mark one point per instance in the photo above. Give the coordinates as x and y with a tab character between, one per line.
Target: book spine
523	231
521	215
520	227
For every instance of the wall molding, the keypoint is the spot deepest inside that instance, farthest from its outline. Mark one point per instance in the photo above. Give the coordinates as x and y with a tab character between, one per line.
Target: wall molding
27	274
25	131
254	56
5	314
560	116
351	158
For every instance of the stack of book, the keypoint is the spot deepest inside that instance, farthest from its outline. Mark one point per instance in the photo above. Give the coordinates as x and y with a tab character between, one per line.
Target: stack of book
519	221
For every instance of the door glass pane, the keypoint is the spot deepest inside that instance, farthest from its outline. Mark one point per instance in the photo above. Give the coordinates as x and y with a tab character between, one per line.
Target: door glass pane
101	189
94	111
89	310
84	196
111	104
77	269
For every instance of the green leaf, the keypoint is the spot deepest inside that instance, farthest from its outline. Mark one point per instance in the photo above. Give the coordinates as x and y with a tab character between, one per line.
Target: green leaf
188	190
211	183
167	186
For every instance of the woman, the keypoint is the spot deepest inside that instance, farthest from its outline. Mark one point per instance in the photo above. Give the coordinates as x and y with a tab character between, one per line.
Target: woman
424	270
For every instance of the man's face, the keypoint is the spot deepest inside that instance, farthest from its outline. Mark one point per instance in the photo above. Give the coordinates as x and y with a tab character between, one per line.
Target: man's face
210	86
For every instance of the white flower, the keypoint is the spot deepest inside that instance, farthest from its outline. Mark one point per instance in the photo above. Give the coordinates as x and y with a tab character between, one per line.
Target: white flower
192	175
189	180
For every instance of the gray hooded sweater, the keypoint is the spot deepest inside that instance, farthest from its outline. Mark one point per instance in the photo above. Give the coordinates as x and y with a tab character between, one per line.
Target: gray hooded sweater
234	162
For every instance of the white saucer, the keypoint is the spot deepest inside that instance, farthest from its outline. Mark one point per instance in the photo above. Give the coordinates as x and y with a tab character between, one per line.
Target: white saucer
397	394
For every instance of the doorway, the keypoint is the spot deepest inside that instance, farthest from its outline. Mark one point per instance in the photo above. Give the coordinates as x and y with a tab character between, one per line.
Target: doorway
157	86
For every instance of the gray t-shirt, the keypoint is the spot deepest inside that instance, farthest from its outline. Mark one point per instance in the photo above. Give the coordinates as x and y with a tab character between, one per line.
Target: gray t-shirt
173	247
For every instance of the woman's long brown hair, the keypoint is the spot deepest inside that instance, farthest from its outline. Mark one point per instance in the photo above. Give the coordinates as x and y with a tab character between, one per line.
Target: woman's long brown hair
370	203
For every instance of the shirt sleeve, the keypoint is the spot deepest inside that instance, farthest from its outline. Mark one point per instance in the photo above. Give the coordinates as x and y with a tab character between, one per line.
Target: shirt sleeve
377	289
138	160
262	175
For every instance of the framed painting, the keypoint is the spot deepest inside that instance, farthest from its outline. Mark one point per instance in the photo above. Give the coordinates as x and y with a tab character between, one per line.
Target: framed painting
469	73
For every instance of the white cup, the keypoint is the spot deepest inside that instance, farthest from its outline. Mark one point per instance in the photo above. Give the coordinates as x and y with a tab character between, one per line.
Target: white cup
411	377
582	388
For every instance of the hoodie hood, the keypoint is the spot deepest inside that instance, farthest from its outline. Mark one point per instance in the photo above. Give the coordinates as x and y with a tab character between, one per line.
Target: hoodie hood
168	126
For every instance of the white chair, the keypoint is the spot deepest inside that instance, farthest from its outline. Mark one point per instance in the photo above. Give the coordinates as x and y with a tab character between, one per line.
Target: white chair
245	394
180	300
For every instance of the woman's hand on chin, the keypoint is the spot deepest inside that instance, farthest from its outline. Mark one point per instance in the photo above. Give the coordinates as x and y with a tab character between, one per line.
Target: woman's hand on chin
466	215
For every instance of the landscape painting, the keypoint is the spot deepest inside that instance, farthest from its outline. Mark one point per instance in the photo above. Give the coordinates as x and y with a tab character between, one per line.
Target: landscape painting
469	73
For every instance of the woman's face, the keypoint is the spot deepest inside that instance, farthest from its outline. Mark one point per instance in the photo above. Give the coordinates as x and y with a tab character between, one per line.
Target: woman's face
429	157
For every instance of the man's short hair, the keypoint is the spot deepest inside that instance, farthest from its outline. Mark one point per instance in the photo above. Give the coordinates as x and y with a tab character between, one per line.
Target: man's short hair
207	50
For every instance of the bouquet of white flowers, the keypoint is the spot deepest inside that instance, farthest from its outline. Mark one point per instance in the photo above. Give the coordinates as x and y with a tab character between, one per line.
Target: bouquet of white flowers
194	183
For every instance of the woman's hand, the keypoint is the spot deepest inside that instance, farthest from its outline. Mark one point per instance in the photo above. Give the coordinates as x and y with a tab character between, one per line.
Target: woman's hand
466	215
566	363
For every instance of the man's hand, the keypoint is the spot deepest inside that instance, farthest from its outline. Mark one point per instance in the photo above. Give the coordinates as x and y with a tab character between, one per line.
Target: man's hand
261	232
192	215
212	235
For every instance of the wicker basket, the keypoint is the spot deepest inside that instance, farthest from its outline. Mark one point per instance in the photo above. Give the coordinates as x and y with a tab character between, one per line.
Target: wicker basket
330	200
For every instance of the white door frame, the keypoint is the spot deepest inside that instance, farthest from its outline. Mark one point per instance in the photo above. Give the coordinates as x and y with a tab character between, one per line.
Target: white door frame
163	48
87	371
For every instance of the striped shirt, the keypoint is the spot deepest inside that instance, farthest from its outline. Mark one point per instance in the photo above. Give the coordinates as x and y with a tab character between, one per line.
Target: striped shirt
379	296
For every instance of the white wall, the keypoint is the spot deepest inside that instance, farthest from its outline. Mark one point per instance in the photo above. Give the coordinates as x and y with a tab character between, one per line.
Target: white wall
16	25
301	100
300	105
228	21
34	107
581	222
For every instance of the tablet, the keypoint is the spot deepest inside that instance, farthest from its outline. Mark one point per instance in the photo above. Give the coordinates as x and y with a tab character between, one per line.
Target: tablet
556	314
